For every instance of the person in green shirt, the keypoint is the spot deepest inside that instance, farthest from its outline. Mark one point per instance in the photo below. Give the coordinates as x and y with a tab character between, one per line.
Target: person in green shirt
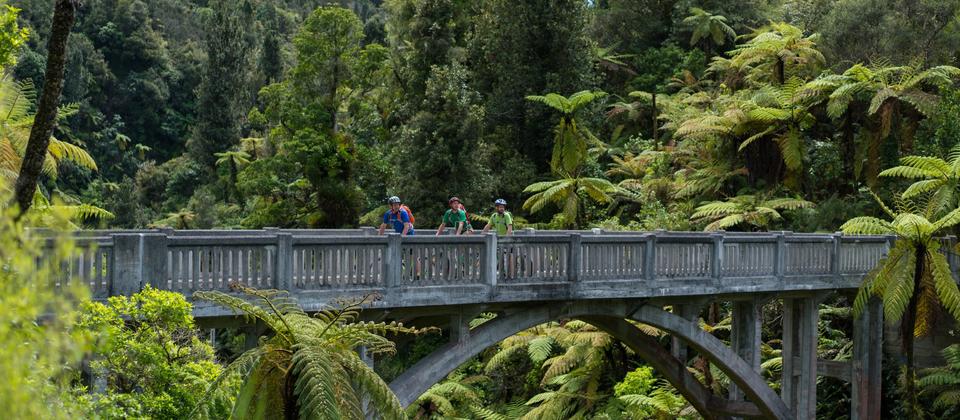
501	220
455	218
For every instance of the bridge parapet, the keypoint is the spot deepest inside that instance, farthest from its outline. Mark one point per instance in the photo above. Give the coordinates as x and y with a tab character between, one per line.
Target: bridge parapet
429	270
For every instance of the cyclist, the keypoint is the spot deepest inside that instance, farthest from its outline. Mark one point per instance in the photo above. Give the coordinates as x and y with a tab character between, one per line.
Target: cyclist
397	217
501	220
455	218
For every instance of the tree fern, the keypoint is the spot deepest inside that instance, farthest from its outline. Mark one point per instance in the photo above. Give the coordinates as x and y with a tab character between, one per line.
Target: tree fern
566	193
309	366
571	140
752	210
915	278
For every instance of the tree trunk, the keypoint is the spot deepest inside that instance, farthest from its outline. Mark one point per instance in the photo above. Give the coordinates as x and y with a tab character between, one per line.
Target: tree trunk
780	72
64	15
849	154
907	327
654	119
233	191
333	97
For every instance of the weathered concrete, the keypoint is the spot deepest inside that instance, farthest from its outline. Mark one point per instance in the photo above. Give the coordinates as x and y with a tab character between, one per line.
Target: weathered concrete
866	374
799	382
690	312
420	271
745	336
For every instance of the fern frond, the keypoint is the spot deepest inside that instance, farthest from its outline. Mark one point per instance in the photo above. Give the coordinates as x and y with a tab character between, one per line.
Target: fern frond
540	348
946	287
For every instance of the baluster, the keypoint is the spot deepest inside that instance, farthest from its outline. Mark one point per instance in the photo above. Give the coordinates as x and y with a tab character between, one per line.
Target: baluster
359	260
98	270
296	270
326	273
259	262
241	265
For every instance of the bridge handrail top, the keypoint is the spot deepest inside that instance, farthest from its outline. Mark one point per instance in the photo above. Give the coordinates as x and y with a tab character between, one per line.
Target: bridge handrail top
442	239
221	240
306	240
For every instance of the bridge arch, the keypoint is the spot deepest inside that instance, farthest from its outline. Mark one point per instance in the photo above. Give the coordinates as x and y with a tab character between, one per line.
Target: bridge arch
610	316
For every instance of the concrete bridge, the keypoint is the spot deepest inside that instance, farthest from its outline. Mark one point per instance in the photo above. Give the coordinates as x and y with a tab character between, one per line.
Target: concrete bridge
604	278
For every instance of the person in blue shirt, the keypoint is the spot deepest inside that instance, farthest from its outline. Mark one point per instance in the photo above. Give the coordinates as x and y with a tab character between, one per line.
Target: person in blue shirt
397	217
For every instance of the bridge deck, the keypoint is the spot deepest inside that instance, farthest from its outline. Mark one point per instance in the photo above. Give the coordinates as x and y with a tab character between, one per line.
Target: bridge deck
317	266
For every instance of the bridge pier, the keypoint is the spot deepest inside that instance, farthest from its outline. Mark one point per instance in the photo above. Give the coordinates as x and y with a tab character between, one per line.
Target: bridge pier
799	381
689	312
867	374
745	337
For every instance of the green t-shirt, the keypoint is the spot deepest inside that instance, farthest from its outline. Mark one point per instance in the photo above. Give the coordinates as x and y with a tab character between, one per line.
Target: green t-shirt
501	221
451	218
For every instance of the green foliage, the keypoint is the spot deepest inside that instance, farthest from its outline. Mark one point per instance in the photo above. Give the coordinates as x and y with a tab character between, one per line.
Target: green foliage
40	358
16	120
864	30
309	367
568	194
12	36
706	26
934	176
151	358
944	382
914	280
570	143
447	127
310	179
519	49
757	211
223	91
777	52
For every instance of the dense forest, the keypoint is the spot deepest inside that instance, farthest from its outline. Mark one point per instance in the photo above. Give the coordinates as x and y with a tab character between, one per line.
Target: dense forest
252	113
744	115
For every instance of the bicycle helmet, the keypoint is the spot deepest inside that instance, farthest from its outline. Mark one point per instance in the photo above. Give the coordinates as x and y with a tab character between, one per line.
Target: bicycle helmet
500	202
452	199
393	199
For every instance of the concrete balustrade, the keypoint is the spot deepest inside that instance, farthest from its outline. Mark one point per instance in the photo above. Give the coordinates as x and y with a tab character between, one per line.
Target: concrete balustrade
317	265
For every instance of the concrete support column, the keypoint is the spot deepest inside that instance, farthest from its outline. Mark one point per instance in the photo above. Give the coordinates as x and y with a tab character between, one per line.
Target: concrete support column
459	327
252	335
799	382
867	362
690	312
745	337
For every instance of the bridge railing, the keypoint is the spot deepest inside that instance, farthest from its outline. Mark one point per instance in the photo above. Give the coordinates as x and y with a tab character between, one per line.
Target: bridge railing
123	262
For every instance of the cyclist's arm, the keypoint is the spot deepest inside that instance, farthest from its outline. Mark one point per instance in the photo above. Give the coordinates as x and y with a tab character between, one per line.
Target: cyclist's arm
382	227
406	228
459	228
510	229
440	229
486	228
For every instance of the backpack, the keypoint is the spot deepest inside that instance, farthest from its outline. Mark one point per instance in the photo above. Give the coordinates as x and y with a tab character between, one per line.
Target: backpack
466	225
409	212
